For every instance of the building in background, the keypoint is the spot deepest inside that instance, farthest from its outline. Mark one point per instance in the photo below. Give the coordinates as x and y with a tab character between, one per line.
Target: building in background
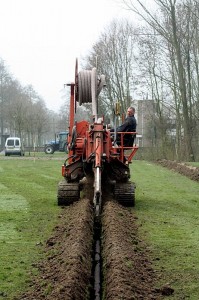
145	111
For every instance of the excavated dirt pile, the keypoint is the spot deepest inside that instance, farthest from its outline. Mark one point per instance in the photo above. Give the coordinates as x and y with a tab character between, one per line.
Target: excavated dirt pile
128	273
182	168
66	272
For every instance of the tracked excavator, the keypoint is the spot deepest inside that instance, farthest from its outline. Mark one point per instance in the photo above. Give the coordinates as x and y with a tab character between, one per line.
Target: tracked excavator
92	149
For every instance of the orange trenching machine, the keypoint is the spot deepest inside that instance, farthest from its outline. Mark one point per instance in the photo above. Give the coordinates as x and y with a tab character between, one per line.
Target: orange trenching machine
93	153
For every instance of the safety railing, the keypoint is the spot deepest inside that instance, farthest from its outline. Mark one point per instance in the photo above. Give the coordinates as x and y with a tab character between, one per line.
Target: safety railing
126	153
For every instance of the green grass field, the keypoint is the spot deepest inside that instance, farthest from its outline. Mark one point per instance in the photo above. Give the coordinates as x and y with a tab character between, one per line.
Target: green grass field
166	206
28	212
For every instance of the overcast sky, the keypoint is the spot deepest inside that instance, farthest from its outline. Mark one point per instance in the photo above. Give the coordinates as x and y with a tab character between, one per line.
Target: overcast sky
40	39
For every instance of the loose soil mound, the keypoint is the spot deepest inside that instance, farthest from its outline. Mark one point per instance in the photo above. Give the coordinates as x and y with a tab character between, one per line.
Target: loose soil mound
65	273
128	273
182	168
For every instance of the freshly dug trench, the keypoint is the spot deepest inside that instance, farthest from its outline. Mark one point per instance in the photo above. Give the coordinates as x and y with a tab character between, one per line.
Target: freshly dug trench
66	271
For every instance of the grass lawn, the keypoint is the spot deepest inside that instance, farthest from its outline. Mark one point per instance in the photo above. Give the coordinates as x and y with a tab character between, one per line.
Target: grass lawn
167	206
28	212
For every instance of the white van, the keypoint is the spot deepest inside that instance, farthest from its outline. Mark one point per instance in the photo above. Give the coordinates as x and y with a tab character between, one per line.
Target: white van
14	146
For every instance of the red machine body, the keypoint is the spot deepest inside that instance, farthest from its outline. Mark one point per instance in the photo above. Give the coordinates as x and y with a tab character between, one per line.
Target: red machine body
93	151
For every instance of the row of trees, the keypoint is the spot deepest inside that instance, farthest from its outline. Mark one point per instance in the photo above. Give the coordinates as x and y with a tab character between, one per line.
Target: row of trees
24	113
158	61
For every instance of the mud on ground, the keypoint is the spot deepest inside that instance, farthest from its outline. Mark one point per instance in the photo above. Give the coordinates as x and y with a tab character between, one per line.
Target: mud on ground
128	273
65	273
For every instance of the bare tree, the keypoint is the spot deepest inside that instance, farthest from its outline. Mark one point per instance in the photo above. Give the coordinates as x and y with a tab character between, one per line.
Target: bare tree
23	112
36	121
113	54
173	22
5	82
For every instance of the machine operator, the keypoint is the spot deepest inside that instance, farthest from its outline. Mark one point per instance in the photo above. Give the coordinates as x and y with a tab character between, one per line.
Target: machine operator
129	125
